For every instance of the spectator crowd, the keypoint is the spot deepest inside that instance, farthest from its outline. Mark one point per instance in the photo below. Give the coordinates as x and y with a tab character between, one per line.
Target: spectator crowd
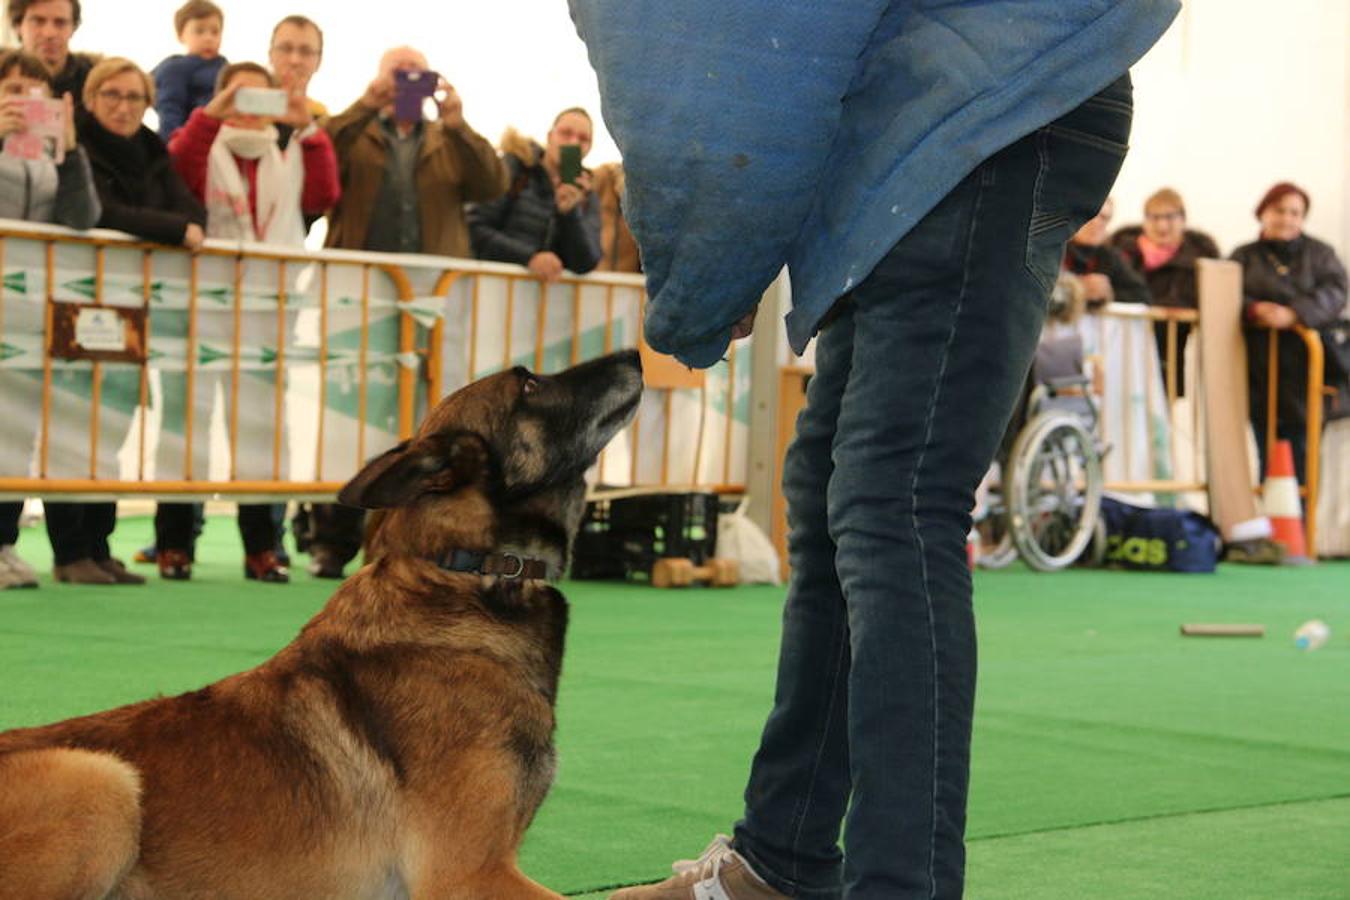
242	151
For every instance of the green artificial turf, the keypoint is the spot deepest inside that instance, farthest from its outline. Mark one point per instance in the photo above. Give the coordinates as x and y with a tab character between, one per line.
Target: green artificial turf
1112	757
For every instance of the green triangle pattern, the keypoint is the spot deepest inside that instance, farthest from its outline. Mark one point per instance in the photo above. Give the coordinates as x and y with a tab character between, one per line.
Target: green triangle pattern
17	282
85	286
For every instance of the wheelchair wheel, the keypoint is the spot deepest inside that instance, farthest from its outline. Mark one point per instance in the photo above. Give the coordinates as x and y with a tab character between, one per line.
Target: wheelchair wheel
1054	490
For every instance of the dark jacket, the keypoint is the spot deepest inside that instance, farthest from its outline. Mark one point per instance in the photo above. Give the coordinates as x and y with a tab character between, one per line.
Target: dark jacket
526	221
1126	283
1305	275
71	78
183	83
138	187
1172	283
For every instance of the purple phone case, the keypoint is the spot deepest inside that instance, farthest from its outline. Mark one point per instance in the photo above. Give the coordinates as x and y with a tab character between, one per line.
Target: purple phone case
410	92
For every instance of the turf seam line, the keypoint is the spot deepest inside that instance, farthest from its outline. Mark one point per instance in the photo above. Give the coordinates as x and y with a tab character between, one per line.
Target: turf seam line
1172	815
1012	834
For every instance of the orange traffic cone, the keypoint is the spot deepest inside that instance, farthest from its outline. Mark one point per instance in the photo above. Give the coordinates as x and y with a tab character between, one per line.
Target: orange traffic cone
1280	495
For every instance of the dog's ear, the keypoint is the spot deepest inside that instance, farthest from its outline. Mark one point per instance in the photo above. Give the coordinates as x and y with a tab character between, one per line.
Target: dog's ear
437	463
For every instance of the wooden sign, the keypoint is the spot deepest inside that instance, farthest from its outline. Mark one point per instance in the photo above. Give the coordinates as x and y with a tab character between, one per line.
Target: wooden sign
98	333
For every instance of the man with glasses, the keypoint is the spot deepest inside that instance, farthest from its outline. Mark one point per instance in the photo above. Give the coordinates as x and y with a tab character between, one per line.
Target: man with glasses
294	57
45	28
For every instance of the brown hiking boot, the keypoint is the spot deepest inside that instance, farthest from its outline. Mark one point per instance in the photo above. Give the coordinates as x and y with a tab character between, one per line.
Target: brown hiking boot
118	571
83	571
719	874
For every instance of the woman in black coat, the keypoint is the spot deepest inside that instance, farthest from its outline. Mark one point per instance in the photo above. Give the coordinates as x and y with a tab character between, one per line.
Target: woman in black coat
140	191
1288	278
140	194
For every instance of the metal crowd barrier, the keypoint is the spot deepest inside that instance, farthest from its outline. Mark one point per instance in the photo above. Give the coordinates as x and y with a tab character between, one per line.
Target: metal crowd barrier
1194	411
248	372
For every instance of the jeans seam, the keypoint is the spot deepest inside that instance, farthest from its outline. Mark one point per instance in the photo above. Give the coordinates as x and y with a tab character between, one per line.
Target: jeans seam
918	534
819	755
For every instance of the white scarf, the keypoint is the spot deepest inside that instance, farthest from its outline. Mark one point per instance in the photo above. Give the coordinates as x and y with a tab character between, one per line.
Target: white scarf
281	181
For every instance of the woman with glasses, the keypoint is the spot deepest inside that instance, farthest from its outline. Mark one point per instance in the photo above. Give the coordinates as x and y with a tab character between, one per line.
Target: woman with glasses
1164	250
140	194
140	191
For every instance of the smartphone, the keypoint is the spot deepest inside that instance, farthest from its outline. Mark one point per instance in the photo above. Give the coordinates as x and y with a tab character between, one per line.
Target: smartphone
44	134
411	89
255	101
569	163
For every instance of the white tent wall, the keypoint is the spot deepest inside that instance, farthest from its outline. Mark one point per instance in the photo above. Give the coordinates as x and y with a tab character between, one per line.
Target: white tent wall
1240	94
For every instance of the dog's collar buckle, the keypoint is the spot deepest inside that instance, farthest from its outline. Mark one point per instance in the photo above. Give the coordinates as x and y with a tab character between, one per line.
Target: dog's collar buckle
507	559
503	565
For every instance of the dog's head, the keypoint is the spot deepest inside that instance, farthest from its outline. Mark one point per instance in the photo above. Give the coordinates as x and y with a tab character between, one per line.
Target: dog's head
499	464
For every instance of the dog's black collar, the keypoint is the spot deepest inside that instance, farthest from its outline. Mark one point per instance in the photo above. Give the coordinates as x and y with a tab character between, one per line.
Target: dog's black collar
503	565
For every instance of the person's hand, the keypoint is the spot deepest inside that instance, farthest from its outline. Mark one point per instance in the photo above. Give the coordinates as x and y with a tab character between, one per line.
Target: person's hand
1097	287
1273	315
222	104
297	115
450	105
380	92
193	236
72	141
745	325
12	119
546	265
567	196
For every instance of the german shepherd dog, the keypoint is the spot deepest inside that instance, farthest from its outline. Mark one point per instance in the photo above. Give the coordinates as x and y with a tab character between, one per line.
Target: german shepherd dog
401	744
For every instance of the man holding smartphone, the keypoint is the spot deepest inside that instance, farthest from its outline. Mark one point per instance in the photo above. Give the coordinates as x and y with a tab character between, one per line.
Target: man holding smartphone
548	221
405	180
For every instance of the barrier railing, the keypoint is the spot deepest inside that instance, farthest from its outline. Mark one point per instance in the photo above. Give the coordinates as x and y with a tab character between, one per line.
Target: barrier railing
1313	399
244	371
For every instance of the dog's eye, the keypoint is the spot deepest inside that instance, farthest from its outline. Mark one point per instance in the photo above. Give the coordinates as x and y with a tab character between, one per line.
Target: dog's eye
529	386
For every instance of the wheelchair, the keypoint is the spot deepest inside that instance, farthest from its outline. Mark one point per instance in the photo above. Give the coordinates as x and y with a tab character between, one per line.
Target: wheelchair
1043	494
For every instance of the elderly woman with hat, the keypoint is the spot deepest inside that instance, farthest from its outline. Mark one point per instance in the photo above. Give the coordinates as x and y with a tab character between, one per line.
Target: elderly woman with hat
1288	278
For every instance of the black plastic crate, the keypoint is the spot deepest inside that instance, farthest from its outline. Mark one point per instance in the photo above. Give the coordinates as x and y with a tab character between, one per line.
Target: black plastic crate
625	536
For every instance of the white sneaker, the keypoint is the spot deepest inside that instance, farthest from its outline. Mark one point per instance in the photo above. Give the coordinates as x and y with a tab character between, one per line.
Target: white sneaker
14	572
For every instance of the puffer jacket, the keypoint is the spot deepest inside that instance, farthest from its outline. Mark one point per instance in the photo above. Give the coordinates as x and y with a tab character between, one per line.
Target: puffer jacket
38	190
525	220
757	133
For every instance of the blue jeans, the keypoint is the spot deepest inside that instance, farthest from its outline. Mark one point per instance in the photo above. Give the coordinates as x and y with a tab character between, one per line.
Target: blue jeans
915	379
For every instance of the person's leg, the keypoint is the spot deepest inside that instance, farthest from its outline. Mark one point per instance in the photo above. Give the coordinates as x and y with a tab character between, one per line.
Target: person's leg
100	519
65	529
256	528
799	781
10	511
14	572
175	540
260	538
174	527
945	331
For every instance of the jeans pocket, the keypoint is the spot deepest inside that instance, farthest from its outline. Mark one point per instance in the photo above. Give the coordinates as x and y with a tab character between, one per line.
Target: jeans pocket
1079	155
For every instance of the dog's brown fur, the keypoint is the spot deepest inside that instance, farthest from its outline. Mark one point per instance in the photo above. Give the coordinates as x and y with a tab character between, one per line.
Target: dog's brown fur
400	745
